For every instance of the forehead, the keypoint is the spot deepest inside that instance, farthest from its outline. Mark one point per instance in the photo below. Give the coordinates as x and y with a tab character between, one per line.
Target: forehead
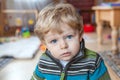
65	29
61	28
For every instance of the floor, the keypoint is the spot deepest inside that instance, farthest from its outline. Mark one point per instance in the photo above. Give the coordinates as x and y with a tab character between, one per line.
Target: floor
22	69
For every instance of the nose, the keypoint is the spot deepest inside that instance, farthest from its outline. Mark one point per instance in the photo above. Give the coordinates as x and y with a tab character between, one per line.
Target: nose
63	44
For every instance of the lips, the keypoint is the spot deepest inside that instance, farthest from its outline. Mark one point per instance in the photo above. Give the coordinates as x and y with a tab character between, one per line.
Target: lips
66	54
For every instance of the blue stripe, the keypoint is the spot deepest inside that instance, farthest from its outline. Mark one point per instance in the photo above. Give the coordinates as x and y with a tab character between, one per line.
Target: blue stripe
78	77
46	76
38	73
57	77
52	77
99	72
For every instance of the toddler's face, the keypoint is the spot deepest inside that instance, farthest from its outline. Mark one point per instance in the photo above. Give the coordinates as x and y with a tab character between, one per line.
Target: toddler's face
65	45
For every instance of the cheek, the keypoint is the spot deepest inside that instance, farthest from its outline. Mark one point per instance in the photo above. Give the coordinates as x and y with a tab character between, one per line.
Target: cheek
75	45
52	49
54	53
75	42
75	49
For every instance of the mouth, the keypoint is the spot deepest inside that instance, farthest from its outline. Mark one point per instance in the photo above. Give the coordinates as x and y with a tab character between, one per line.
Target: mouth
66	54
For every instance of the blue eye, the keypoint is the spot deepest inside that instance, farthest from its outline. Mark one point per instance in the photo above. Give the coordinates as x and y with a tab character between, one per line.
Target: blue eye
53	41
69	36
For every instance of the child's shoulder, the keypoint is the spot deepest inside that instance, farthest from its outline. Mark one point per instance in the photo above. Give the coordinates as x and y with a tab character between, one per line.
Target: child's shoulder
91	54
92	58
44	56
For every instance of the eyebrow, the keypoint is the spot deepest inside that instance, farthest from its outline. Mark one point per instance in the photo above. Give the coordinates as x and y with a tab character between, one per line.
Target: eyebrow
50	37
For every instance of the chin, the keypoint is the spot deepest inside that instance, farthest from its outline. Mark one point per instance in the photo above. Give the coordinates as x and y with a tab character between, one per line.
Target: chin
66	59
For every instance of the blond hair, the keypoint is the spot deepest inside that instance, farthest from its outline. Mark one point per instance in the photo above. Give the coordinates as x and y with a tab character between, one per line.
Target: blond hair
52	16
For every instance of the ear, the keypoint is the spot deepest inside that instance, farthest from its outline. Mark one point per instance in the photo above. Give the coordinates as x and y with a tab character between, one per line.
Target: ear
43	46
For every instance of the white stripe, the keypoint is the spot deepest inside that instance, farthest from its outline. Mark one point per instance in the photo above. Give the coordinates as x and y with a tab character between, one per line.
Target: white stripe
47	62
80	66
34	78
49	70
53	66
84	63
89	59
98	62
83	70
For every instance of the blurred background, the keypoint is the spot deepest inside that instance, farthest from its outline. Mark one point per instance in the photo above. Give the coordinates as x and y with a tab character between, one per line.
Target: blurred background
20	49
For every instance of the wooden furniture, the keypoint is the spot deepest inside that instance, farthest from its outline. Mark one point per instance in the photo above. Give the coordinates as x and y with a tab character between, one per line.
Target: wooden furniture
2	2
84	7
112	15
21	12
109	0
10	31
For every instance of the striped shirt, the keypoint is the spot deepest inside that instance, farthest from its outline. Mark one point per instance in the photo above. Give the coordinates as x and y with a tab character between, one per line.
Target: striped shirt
87	65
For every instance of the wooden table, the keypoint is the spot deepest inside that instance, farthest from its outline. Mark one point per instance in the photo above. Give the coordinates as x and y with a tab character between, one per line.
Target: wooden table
112	15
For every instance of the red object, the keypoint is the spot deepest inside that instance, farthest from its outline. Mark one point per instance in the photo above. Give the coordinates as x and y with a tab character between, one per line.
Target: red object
89	28
42	47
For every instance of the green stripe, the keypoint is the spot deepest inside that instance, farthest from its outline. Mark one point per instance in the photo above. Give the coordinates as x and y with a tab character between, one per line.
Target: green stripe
35	77
62	76
105	76
90	54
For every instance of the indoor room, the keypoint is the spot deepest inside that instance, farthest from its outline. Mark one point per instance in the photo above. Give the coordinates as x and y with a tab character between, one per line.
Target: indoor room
21	48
